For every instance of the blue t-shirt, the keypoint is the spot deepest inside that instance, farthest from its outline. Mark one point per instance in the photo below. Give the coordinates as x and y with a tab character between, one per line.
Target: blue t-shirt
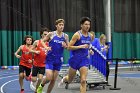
96	44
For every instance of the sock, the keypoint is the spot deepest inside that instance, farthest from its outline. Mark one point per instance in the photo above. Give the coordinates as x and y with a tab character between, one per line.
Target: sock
42	85
46	83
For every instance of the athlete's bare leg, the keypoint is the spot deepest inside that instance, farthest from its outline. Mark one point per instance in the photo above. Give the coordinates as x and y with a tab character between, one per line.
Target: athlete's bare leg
21	77
52	82
71	75
40	78
83	75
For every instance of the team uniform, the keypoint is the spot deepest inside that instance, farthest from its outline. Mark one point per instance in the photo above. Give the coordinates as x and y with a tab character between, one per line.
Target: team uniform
96	44
39	59
24	64
54	58
79	57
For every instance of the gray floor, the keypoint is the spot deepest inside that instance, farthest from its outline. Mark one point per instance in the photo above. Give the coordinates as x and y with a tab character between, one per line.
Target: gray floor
127	85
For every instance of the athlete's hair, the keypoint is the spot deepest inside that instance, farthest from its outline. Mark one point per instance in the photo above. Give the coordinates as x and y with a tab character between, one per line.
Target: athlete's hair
28	36
92	32
83	19
44	29
102	36
59	21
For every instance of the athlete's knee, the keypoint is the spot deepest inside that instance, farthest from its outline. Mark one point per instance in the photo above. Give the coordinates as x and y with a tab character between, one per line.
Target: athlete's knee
21	76
67	78
49	77
83	81
34	79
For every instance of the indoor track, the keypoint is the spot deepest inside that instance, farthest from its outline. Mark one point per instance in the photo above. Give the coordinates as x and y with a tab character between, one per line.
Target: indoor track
128	81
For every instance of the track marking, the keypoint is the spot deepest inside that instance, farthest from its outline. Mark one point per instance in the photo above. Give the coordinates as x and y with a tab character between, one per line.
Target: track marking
7	74
6	84
8	77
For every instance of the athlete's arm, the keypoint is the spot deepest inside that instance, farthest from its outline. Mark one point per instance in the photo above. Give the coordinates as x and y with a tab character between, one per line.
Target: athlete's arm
16	53
92	37
76	37
32	58
65	44
35	44
106	47
32	50
90	47
47	38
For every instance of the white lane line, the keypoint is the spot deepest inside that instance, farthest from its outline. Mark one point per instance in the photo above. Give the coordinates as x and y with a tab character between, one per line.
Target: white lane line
7	74
1	89
8	77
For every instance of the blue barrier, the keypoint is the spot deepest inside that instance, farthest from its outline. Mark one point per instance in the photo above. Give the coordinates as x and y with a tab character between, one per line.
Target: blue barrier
98	60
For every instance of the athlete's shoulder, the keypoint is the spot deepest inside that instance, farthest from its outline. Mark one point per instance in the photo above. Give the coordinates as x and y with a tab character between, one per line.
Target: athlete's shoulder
21	47
92	36
76	35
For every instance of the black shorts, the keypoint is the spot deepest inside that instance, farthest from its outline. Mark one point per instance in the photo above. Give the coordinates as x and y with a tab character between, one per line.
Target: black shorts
38	70
25	69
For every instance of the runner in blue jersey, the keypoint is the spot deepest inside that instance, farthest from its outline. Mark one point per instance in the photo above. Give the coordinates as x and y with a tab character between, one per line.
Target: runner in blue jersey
58	40
79	45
